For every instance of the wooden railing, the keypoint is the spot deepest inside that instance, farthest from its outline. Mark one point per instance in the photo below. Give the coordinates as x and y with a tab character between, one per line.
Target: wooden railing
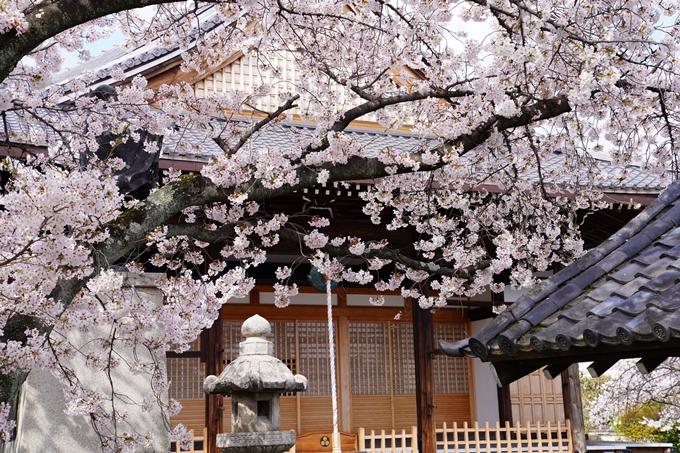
518	438
528	438
391	442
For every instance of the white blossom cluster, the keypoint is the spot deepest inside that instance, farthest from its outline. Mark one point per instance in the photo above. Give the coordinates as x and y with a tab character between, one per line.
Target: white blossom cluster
623	388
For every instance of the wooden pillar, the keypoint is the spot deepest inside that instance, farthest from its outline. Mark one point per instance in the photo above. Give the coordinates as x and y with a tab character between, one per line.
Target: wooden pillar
573	408
504	405
423	343
504	401
211	356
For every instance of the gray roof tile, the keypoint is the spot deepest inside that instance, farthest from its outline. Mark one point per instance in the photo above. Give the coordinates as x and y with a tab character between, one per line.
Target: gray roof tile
627	272
607	326
605	290
588	276
611	261
607	306
671	239
545	338
635	245
656	267
652	254
661	226
662	327
631	287
636	304
579	311
664	280
541	311
672	252
668	301
640	327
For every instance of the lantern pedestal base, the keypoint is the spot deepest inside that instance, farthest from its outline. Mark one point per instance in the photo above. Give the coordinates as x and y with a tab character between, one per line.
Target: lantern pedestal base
262	442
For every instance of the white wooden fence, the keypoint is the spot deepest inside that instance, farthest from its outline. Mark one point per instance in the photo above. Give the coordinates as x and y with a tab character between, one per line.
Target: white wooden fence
519	438
528	438
402	441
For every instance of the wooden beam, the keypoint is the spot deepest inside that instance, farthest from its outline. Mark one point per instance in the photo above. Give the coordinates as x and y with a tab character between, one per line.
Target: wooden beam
423	344
573	407
316	312
507	369
183	355
508	372
597	369
591	354
552	371
648	364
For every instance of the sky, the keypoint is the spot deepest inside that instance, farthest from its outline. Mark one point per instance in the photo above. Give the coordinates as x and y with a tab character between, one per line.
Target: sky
95	48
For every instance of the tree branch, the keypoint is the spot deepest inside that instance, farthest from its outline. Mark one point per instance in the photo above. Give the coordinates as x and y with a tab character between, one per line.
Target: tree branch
392	255
290	103
227	231
47	19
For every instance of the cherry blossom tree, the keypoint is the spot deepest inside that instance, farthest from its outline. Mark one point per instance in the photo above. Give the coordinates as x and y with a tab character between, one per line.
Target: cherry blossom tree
577	76
624	390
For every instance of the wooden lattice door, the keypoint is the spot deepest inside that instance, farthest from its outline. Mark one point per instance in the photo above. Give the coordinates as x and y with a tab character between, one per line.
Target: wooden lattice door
537	399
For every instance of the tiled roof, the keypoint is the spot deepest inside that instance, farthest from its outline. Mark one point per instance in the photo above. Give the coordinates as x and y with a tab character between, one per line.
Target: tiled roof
194	145
137	60
623	295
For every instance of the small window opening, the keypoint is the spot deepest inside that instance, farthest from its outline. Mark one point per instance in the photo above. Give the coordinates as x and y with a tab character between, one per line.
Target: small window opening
263	409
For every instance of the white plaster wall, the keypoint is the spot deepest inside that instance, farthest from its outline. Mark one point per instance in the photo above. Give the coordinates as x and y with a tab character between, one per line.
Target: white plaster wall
362	300
300	299
42	425
486	390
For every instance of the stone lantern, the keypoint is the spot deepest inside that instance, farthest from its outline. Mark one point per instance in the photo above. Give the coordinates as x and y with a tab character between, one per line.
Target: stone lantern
255	381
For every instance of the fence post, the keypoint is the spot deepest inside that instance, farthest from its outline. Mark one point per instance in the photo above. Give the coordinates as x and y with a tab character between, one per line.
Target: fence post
476	428
560	437
414	439
570	439
445	439
498	437
529	436
466	440
456	445
487	438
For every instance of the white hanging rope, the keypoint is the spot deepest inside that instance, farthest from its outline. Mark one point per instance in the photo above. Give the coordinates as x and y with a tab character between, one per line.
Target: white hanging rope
331	357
